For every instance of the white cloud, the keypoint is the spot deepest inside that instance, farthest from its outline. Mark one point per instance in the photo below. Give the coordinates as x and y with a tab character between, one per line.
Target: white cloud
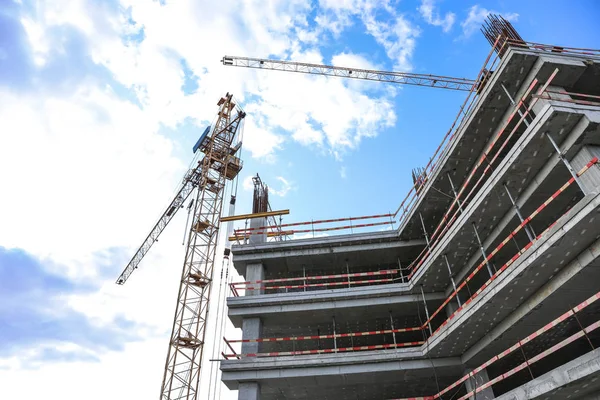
248	184
347	59
398	38
432	16
310	235
286	186
91	169
38	43
89	165
394	32
337	118
477	15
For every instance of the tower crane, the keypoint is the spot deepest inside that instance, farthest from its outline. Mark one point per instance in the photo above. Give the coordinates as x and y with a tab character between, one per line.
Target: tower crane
218	164
436	81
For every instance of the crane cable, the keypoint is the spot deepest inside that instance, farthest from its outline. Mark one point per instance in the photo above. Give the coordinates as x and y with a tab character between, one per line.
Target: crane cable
220	313
222	294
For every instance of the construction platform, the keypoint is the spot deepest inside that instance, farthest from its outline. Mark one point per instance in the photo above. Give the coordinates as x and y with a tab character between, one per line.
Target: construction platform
488	286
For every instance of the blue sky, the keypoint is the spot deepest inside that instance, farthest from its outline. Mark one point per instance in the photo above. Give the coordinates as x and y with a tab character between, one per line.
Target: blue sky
102	101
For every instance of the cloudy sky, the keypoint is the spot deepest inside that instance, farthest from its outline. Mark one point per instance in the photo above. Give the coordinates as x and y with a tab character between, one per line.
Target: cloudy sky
101	102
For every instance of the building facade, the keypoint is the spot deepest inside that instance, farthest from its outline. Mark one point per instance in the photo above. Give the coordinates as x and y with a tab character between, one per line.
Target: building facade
487	286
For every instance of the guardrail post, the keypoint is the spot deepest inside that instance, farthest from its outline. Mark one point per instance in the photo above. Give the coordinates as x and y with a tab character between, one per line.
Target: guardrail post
392	325
426	311
348	273
452	280
454	192
334	336
566	162
400	268
487	262
424	231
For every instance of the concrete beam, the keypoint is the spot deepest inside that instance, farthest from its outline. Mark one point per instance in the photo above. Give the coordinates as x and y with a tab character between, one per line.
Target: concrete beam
518	69
564	275
323	366
577	218
327	241
351	298
591	179
274	252
527	143
572	143
584	370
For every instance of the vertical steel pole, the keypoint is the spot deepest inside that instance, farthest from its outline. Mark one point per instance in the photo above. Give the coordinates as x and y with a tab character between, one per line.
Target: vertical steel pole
512	101
452	280
454	192
400	267
424	230
566	162
426	311
348	272
487	263
334	336
392	325
304	275
528	228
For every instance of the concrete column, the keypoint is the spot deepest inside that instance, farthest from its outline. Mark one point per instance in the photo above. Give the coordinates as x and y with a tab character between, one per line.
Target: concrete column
553	96
451	307
255	272
251	329
476	382
248	391
256	224
590	180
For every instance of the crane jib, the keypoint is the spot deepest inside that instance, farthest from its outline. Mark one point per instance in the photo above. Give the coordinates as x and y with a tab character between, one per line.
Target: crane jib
407	78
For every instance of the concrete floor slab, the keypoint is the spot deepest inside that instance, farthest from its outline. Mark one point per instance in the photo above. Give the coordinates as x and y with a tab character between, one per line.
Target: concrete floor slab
576	379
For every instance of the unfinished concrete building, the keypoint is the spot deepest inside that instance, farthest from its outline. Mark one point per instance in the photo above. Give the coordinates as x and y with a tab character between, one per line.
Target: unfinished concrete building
488	285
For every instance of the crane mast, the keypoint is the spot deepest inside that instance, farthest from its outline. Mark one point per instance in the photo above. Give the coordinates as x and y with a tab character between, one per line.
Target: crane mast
219	163
183	364
437	81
